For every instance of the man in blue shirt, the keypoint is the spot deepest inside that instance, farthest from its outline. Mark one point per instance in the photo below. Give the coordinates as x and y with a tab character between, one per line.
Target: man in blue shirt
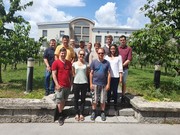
99	83
48	60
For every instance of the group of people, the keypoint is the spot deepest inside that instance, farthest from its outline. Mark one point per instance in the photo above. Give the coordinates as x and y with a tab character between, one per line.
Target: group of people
98	72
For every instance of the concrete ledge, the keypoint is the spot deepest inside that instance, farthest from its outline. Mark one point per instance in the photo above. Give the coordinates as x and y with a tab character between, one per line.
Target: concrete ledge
26	110
154	112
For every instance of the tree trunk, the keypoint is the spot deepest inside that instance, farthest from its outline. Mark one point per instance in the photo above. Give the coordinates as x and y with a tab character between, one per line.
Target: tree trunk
0	73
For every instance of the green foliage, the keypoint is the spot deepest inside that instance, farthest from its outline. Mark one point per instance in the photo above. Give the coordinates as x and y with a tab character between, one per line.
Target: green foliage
176	83
140	82
15	42
14	84
159	40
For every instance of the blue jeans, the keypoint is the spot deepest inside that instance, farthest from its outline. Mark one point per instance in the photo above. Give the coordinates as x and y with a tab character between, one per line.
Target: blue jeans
49	87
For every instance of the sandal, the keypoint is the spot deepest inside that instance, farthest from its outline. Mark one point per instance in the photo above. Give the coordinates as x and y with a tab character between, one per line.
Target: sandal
77	117
81	118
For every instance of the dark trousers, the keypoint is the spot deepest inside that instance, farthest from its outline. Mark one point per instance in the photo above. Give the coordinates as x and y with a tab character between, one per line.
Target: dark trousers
113	92
79	88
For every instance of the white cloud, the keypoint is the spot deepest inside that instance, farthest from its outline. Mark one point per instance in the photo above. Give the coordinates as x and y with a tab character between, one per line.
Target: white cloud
136	18
46	11
106	15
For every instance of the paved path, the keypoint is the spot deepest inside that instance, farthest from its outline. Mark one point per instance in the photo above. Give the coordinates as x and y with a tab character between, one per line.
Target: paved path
88	129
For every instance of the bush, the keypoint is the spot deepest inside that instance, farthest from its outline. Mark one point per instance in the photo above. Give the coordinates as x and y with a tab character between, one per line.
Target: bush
176	83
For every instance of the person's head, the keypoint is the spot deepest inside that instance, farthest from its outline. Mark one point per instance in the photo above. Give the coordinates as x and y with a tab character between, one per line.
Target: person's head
81	55
113	50
62	53
122	40
65	40
109	40
72	43
82	44
52	43
89	46
101	52
97	45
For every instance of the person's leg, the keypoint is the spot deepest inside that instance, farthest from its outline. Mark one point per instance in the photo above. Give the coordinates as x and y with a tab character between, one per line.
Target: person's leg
109	91
76	89
125	75
94	102
60	105
52	87
115	82
103	98
83	97
47	82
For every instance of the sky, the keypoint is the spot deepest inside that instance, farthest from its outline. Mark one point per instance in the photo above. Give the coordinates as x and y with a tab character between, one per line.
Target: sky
118	13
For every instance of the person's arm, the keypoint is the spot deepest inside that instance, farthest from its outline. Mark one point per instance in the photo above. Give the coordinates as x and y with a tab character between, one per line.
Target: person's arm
108	81
120	77
129	57
48	68
54	75
91	80
73	71
120	68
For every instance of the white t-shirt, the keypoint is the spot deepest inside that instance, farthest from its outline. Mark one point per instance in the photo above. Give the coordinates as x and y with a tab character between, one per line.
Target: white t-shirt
116	65
80	73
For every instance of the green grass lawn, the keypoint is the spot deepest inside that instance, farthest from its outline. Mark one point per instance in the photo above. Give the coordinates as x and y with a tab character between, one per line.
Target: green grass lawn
140	82
14	82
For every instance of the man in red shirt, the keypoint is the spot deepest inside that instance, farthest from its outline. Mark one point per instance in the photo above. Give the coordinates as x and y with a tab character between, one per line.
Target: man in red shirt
62	75
126	54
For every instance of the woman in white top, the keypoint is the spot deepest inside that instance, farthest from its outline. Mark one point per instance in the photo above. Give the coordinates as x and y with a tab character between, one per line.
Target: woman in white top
116	71
80	72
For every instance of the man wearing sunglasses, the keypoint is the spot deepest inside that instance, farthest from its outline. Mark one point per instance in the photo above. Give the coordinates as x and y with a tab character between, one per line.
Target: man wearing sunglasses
99	83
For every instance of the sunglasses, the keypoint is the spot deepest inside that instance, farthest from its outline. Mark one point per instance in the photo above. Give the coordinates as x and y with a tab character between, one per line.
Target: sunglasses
81	54
101	53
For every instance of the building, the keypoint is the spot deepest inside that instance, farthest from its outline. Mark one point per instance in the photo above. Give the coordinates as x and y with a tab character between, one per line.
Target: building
81	28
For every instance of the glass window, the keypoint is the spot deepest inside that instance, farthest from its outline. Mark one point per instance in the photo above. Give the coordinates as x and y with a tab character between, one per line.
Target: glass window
77	30
44	33
61	34
86	30
98	39
116	39
86	38
77	38
82	23
105	39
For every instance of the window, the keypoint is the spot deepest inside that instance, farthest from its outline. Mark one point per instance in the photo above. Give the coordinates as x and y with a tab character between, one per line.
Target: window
105	39
77	38
77	30
116	39
44	33
86	30
86	38
98	39
61	34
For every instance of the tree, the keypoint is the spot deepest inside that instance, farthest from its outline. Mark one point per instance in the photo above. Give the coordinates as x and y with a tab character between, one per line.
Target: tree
154	41
7	17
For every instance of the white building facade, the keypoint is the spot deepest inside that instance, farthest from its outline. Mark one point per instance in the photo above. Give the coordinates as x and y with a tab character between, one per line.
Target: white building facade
81	28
